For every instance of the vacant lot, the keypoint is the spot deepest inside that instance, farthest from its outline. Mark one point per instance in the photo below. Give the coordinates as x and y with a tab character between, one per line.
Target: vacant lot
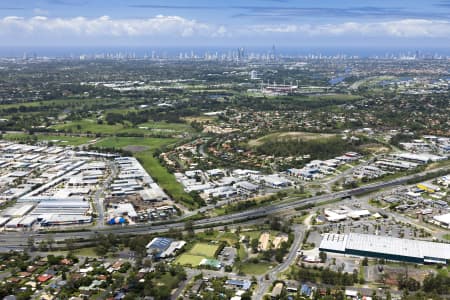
295	135
255	269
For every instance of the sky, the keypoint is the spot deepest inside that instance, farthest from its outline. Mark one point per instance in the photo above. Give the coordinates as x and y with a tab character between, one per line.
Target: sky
230	23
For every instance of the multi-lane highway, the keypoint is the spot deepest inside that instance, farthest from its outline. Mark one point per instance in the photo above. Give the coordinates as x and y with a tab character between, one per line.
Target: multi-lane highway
19	240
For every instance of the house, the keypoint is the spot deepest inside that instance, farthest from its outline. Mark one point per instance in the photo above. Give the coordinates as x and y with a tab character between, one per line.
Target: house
277	289
44	278
239	284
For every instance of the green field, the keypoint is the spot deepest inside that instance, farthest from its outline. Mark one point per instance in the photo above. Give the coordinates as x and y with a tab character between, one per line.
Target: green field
205	250
91	126
55	139
255	269
188	259
148	128
195	255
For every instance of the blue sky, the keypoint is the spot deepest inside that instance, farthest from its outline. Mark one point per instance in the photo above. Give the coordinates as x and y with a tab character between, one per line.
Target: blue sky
251	23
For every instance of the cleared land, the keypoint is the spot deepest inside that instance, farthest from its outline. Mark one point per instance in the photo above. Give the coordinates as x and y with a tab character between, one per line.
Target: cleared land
264	241
295	135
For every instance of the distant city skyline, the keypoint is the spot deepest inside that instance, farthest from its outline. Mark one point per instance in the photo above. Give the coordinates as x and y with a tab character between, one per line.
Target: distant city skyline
182	23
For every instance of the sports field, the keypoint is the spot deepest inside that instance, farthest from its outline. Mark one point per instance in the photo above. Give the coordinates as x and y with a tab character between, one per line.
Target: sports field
195	255
188	259
203	249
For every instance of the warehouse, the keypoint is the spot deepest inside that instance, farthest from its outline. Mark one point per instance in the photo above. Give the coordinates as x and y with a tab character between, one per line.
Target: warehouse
442	220
386	247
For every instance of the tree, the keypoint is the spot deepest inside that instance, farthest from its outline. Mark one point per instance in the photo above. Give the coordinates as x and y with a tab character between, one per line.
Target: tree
189	227
30	243
254	245
365	262
323	256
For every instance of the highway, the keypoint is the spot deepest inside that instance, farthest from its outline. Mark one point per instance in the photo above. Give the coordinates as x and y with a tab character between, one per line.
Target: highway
18	240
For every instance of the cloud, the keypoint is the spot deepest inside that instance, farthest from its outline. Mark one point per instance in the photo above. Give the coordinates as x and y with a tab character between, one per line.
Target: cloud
407	28
171	29
174	26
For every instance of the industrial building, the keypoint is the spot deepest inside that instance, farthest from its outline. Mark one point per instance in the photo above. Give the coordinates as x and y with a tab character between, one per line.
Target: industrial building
386	247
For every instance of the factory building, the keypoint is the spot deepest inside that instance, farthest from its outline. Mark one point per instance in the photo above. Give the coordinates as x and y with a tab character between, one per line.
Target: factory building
386	247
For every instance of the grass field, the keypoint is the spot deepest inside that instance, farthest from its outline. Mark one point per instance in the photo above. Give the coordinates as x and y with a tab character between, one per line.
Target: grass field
195	255
255	269
341	97
189	259
203	249
91	126
55	139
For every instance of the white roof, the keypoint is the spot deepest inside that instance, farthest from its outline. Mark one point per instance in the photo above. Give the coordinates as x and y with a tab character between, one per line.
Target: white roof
386	244
334	242
443	218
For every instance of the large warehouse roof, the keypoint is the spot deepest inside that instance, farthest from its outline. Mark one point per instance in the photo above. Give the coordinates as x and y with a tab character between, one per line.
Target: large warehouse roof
385	245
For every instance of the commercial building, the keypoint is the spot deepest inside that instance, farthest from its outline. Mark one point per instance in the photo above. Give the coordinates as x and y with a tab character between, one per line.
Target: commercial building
163	247
386	247
442	220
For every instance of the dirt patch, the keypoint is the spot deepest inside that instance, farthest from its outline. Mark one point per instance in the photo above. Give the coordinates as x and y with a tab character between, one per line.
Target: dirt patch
264	241
280	239
295	135
135	149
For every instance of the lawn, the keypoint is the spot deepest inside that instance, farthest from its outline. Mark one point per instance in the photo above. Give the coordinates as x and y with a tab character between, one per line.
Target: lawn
55	139
202	249
447	236
255	269
189	259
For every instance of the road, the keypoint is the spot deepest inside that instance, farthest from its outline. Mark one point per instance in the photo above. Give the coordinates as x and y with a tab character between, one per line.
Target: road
100	192
263	284
19	240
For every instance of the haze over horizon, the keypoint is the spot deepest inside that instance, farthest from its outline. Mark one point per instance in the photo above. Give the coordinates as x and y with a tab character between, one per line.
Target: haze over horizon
180	23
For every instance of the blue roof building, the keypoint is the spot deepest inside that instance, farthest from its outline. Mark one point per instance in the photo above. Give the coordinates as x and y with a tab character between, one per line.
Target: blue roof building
157	246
